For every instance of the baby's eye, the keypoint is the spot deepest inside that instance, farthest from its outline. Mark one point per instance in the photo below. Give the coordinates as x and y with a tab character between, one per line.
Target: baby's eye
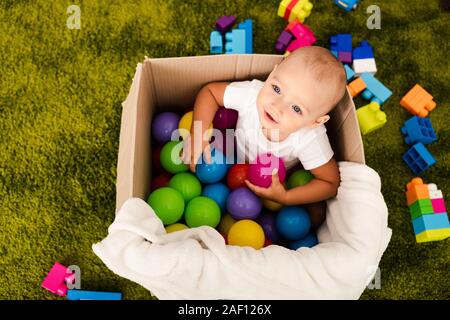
276	88
297	109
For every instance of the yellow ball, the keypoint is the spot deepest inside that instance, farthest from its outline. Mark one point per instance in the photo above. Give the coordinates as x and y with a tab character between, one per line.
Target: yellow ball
176	227
184	126
271	205
246	233
225	224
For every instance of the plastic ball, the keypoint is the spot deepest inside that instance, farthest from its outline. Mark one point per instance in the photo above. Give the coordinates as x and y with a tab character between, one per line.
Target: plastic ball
243	204
156	159
267	220
212	172
218	192
226	223
225	118
170	157
246	233
271	205
163	125
176	227
222	142
309	241
237	175
299	178
267	242
161	180
184	126
168	204
202	211
260	172
293	222
187	184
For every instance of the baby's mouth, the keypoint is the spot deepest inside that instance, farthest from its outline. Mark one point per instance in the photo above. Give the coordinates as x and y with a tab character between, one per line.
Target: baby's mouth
269	117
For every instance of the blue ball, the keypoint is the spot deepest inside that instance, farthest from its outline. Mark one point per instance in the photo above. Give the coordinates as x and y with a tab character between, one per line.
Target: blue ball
218	192
214	171
309	241
293	222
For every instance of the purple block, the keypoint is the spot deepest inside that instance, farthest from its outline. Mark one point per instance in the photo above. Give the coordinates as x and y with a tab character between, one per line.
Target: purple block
225	23
438	205
345	57
283	41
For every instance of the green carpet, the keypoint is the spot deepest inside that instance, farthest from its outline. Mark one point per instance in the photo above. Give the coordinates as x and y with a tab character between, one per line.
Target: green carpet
60	102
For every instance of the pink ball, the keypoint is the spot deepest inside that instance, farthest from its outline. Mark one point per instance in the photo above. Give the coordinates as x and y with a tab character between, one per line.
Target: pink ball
260	172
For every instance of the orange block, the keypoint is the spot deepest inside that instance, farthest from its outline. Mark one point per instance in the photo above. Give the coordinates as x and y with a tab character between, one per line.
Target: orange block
416	190
356	87
418	101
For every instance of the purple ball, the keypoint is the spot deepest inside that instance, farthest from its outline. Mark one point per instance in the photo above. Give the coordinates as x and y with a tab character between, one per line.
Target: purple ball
243	204
267	220
163	125
225	118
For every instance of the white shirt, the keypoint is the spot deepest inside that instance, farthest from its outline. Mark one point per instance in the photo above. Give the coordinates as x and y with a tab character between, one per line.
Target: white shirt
310	146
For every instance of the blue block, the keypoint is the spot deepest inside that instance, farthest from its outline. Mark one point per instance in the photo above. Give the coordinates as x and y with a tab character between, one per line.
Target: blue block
93	295
375	90
364	51
417	129
215	43
334	53
247	25
349	72
430	222
418	158
341	42
235	41
347	5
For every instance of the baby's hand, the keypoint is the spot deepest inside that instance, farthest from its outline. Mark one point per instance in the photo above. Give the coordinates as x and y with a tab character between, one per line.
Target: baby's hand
275	192
191	154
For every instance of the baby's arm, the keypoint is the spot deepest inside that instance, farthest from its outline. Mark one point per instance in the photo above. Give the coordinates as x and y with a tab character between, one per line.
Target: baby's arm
323	186
206	104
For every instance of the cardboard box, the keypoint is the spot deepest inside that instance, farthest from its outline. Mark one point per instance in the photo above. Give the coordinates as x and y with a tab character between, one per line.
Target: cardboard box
172	84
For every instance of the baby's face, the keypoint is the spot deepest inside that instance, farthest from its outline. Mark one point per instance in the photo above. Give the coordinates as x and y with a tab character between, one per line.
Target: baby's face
291	100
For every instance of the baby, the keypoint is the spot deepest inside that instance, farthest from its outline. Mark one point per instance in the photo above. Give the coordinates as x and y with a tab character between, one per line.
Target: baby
285	115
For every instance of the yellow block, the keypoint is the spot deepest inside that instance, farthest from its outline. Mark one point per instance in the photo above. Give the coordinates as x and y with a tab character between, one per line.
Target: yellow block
301	11
433	235
282	7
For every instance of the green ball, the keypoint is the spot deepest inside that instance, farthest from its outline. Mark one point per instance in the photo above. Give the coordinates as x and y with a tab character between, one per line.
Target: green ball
299	178
173	164
187	184
167	203
202	211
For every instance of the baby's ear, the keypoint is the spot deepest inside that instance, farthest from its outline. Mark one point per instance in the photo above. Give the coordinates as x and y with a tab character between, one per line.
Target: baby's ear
321	120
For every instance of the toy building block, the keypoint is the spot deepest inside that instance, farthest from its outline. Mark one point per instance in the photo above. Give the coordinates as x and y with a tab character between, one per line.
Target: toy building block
356	87
57	279
364	65
370	117
296	44
433	235
301	31
283	41
225	23
375	90
93	295
235	41
437	200
417	129
363	51
347	5
342	45
418	158
350	73
418	101
295	9
215	43
430	222
416	190
420	208
247	25
434	192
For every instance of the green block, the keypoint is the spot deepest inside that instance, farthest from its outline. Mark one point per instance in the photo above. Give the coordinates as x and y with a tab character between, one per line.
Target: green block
421	207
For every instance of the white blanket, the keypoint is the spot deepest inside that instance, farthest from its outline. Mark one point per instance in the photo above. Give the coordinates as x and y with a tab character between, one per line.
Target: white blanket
196	263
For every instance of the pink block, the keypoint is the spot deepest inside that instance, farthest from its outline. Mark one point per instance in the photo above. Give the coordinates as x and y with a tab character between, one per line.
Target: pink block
297	43
56	279
438	205
301	31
